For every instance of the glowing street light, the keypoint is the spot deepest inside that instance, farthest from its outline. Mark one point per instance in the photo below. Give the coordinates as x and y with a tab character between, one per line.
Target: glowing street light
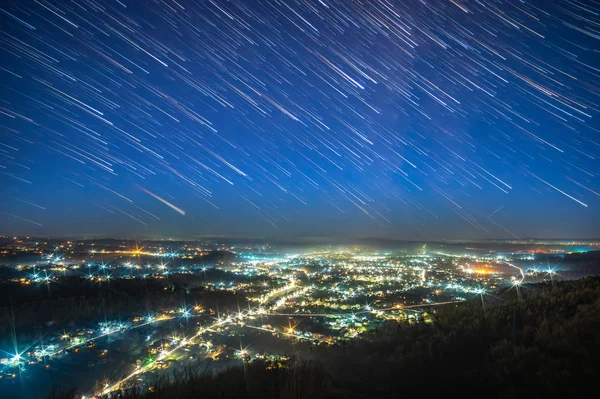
551	272
16	359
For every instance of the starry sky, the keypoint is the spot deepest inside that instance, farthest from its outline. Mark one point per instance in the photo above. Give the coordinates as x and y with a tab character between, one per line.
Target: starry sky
346	118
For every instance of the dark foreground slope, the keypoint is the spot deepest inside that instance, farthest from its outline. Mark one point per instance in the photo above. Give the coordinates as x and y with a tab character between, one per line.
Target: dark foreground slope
543	341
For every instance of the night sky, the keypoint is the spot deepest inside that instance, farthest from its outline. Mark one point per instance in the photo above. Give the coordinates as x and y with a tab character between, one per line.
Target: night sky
405	119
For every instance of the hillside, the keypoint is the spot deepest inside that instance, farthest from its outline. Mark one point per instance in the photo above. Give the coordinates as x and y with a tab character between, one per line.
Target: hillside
544	342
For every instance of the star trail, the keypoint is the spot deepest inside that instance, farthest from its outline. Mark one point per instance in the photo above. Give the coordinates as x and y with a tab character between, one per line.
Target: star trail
413	119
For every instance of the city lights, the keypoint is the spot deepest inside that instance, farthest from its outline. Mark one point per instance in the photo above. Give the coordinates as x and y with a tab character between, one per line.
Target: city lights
346	294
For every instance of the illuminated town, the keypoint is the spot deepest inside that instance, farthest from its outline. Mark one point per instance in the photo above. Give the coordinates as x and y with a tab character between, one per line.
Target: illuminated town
299	199
238	303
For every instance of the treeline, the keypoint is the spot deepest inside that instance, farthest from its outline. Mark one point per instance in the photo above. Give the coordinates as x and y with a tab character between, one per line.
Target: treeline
297	379
77	300
540	341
